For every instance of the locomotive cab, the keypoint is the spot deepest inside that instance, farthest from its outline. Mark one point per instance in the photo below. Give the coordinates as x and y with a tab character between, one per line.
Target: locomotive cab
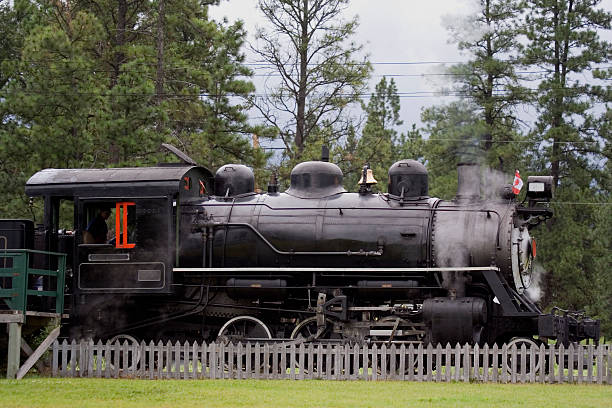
125	235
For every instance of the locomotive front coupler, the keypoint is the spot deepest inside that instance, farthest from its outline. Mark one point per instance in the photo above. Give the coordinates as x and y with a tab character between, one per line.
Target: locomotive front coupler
567	326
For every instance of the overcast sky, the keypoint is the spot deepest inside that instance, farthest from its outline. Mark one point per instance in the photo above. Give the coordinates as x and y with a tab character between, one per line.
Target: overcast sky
392	31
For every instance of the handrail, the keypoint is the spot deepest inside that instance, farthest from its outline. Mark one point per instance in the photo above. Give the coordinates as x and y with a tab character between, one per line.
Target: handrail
17	296
31	251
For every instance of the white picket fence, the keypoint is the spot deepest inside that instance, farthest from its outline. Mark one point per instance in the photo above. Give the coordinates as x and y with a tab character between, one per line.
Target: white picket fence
544	364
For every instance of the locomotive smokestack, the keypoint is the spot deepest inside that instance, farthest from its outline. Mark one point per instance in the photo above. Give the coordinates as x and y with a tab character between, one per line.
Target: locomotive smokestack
468	182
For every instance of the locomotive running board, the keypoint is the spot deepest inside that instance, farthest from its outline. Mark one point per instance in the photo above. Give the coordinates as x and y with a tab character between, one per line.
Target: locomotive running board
285	269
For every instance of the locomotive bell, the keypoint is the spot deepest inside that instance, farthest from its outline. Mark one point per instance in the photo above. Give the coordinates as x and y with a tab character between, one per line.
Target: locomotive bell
369	178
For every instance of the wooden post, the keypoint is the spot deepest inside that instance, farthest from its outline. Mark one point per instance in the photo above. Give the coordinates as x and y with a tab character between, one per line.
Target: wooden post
420	363
187	360
355	372
302	361
542	354
383	362
485	363
73	359
504	364
495	363
438	363
551	362
230	361
55	360
266	362
90	358
429	365
476	362
347	363
600	364
532	360
560	373
402	362
239	361
292	361
523	361
466	363
365	352
328	362
311	357
275	363
64	366
283	361
257	367
14	350
515	364
448	361
609	365
221	366
457	362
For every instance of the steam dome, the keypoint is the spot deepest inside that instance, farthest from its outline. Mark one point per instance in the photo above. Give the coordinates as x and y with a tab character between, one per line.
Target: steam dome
233	180
315	179
408	178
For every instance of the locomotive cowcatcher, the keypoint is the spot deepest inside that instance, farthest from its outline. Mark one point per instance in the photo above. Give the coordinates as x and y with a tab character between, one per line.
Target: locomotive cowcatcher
196	256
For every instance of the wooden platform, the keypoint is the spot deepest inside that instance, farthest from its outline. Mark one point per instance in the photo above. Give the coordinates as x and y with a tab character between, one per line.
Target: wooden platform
15	316
16	322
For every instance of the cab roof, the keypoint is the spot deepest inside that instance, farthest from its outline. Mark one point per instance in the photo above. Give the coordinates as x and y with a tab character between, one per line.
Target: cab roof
125	181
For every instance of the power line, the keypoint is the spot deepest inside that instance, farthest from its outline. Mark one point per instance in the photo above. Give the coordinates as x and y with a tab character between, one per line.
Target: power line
272	65
271	74
528	141
578	203
265	64
269	64
171	95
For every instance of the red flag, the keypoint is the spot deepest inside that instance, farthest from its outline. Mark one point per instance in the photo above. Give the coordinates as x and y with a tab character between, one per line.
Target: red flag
518	183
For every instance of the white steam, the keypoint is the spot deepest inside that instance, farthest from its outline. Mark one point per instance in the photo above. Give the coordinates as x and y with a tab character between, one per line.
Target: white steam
493	181
534	292
465	27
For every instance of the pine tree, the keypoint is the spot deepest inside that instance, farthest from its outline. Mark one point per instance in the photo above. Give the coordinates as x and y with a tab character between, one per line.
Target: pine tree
564	43
52	100
207	99
15	24
490	78
376	146
99	83
483	127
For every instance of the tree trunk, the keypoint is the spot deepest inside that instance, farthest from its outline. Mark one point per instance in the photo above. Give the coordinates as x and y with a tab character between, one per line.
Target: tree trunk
561	56
488	102
119	41
159	82
300	135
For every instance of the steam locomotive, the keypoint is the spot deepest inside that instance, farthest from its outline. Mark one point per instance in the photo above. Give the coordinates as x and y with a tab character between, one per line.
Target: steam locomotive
198	256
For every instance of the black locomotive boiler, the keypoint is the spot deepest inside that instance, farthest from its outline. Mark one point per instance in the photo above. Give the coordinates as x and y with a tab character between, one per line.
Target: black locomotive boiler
202	257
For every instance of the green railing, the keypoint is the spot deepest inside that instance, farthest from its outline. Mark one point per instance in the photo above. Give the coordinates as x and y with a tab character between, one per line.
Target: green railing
15	268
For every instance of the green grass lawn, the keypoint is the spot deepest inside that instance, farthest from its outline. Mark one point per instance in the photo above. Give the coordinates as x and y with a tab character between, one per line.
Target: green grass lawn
77	393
